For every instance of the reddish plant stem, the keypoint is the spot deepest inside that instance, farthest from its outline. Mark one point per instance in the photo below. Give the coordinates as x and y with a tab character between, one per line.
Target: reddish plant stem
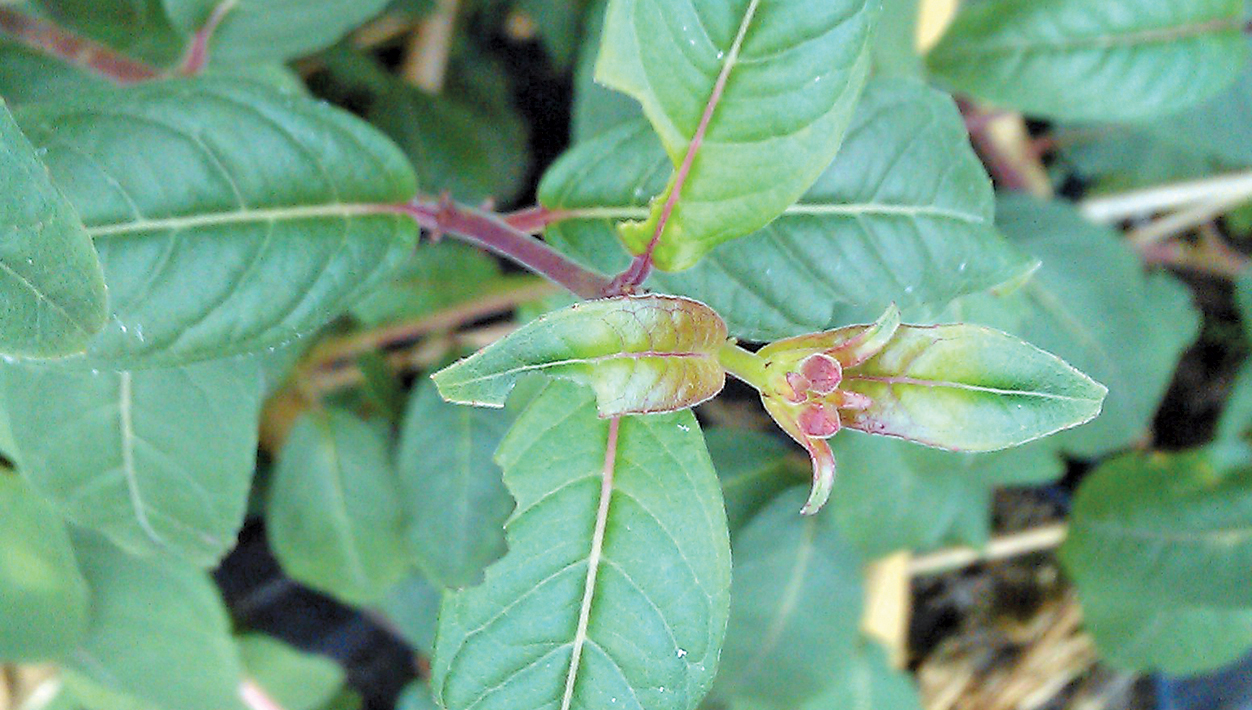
197	56
999	165
65	45
495	235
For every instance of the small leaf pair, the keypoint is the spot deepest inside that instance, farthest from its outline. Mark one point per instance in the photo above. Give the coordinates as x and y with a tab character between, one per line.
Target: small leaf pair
957	387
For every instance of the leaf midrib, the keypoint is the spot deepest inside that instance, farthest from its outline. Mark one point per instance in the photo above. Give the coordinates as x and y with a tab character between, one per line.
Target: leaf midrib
214	219
709	356
965	386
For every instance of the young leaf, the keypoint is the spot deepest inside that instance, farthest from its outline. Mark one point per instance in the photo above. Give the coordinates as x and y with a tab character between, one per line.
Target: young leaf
734	89
903	215
294	679
149	617
50	279
333	516
157	460
640	354
451	490
1093	59
1171	529
42	592
795	606
614	592
252	31
968	388
1092	305
229	218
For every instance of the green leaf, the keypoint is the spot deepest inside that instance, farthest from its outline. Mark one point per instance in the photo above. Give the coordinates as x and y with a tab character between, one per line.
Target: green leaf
753	468
254	31
614	592
229	218
1236	417
474	150
157	460
903	215
412	606
640	353
795	609
1169	529
894	46
451	490
1092	305
968	388
159	635
43	594
558	23
294	679
864	679
765	89
1145	637
50	279
1093	59
29	75
893	495
416	696
334	517
137	28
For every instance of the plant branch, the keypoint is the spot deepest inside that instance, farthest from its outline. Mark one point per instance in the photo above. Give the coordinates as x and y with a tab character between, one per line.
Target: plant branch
492	233
197	56
58	42
1148	201
426	60
1037	540
351	346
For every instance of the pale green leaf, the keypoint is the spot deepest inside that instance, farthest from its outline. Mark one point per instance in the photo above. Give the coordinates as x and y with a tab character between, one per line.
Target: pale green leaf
294	679
745	88
416	696
1146	636
1093	59
229	217
451	491
596	107
903	215
894	46
892	495
159	636
639	353
51	283
157	460
614	592
863	680
968	388
42	592
266	30
412	607
333	517
795	609
1092	305
1174	529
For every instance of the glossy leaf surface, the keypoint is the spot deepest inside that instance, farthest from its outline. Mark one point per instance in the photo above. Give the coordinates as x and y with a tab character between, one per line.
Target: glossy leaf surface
42	591
51	283
229	217
334	517
903	215
610	595
968	388
1093	59
157	460
451	490
745	87
639	353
